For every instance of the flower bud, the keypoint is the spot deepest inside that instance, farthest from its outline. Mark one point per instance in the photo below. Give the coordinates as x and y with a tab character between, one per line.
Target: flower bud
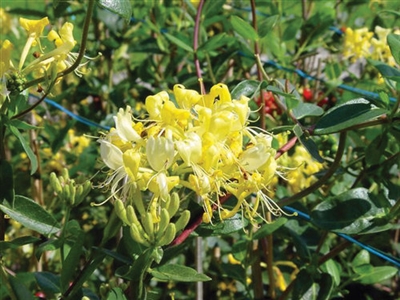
183	220
55	183
131	215
163	224
121	211
147	223
174	204
169	235
137	236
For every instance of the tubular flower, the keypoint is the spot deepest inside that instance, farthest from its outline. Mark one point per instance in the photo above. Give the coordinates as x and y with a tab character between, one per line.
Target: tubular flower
202	143
361	43
59	58
5	21
357	43
5	65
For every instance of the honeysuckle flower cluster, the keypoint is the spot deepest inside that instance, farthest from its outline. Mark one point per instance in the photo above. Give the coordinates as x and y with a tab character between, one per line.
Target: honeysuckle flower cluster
37	60
362	43
199	142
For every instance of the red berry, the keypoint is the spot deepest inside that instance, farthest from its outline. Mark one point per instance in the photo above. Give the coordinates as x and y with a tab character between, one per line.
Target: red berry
308	95
270	105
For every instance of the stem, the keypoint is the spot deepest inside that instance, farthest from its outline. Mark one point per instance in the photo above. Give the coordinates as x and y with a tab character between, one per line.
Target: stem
196	45
258	62
82	49
323	179
24	112
289	145
194	224
6	283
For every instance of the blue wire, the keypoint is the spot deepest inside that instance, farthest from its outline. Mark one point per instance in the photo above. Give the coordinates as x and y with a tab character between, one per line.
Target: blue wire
370	249
72	115
75	116
302	74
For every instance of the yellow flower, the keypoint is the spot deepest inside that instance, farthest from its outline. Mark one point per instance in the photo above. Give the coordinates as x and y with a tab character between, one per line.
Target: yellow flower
5	64
59	58
197	143
5	21
34	27
357	43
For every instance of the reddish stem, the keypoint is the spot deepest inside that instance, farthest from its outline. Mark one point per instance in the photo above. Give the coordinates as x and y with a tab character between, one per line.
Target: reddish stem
195	223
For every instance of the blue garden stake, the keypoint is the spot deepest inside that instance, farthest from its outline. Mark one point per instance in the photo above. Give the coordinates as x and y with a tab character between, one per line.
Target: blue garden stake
370	249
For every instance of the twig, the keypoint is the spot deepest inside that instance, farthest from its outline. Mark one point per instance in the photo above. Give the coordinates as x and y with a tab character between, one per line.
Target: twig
196	45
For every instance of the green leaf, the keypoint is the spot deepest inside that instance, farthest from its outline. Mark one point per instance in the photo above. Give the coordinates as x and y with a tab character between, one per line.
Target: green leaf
307	110
376	149
346	115
377	274
73	258
178	273
361	258
20	289
352	212
386	70
25	145
50	245
116	294
215	42
6	182
48	282
393	41
243	28
326	285
239	250
247	88
120	7
268	229
21	124
18	242
228	226
333	268
178	42
302	284
267	25
31	215
308	143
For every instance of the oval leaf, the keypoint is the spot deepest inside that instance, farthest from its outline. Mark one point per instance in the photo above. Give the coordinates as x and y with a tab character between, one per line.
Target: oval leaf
120	7
48	282
348	114
31	215
178	273
377	274
307	110
243	28
393	41
344	213
268	229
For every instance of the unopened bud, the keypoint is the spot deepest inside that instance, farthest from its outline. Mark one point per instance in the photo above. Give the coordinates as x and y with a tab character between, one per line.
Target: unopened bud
174	204
131	215
121	211
168	236
162	225
137	236
182	221
55	183
147	223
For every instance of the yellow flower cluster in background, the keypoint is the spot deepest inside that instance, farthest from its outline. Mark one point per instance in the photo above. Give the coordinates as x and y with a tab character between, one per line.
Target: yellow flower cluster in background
362	43
199	142
46	61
